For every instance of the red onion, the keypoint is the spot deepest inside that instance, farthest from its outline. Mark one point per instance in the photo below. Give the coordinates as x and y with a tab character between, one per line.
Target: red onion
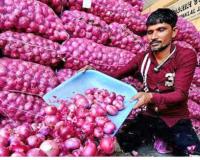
81	101
108	100
90	149
24	130
16	139
88	128
82	112
3	141
35	152
50	148
98	132
18	154
119	104
65	74
107	145
76	152
101	121
4	152
109	128
59	124
5	133
19	148
66	131
50	110
72	143
45	131
111	110
89	119
34	141
97	111
51	120
80	122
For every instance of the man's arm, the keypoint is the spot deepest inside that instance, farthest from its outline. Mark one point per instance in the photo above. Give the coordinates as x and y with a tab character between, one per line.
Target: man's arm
130	68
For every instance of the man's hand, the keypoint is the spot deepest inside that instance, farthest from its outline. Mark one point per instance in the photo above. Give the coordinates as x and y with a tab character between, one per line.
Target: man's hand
87	67
143	99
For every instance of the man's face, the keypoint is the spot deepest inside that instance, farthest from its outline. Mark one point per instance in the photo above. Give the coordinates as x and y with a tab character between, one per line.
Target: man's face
160	36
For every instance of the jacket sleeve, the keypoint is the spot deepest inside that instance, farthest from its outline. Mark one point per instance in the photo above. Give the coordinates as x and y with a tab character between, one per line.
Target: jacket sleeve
183	78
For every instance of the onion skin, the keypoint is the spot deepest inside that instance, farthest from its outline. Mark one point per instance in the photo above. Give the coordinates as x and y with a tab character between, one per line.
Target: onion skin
72	143
35	152
4	152
107	145
50	147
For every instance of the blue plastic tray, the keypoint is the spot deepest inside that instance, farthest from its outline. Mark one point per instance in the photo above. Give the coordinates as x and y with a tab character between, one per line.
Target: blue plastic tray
82	81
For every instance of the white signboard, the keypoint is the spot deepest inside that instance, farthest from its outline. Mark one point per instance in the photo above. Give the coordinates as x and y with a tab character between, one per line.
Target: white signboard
87	4
190	9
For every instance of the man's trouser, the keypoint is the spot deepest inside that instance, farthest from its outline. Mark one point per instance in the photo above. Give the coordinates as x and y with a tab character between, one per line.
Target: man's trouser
143	129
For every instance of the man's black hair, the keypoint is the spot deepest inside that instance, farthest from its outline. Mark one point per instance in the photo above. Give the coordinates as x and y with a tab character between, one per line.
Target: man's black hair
162	15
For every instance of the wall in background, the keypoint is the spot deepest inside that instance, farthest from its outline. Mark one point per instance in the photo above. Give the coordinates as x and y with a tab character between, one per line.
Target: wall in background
188	8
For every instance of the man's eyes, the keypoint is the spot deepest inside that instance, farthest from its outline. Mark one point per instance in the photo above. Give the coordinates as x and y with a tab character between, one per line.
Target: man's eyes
161	29
149	32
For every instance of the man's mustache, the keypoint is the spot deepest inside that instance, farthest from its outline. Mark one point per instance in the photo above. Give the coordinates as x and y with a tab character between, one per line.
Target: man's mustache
155	41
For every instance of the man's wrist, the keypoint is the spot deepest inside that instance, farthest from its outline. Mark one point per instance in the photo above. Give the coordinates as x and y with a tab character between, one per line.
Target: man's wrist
150	97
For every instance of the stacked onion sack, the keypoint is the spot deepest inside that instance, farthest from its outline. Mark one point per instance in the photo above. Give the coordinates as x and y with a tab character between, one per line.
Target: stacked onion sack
82	52
191	38
136	4
57	5
194	102
85	25
42	44
31	16
114	11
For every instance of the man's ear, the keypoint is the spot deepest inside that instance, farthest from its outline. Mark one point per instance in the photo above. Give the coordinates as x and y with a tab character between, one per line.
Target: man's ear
175	30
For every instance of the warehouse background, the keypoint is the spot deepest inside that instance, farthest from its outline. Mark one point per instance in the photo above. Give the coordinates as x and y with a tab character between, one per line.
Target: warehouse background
190	9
